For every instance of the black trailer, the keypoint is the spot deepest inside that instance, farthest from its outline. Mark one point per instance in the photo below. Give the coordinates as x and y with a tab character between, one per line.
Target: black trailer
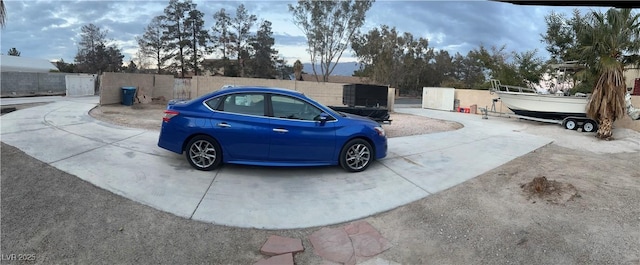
365	100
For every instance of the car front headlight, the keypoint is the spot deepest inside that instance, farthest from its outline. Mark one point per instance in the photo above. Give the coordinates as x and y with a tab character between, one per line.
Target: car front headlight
379	130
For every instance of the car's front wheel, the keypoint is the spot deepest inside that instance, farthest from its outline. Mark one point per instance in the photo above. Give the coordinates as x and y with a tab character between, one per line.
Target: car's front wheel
203	153
356	155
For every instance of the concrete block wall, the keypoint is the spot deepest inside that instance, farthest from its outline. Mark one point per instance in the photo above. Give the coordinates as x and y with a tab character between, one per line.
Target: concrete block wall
329	94
325	93
201	85
15	84
163	86
49	83
482	98
111	86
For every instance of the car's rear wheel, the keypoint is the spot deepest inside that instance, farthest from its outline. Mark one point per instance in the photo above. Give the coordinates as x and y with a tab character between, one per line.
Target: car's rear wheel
356	155
203	153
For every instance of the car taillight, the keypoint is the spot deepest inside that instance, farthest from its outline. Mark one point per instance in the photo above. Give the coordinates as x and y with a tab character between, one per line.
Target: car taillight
168	114
379	130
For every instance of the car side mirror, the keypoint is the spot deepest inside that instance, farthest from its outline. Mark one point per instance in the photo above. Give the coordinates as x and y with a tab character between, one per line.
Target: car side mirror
323	118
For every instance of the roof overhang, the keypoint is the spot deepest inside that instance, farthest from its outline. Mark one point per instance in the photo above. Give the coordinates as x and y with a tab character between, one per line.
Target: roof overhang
24	64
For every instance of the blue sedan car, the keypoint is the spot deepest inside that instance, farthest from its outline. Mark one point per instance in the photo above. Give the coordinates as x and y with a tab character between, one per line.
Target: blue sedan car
269	127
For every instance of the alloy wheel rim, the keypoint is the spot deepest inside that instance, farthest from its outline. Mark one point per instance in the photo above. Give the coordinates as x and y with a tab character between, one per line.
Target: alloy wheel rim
358	156
202	153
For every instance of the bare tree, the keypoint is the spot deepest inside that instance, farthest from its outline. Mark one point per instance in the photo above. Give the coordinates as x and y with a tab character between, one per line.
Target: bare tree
143	61
329	27
242	24
152	45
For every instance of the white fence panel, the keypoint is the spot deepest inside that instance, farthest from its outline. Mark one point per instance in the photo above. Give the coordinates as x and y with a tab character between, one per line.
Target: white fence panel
80	85
440	98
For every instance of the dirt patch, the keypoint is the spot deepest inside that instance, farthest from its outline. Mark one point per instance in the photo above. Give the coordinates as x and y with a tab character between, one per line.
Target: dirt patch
490	220
540	188
141	116
149	116
406	125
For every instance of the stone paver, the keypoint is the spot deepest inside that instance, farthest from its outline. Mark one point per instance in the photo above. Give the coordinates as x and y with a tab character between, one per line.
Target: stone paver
366	240
278	245
284	259
333	244
354	243
378	261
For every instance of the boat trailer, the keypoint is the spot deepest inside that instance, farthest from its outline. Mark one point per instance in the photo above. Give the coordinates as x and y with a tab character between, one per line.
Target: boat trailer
569	122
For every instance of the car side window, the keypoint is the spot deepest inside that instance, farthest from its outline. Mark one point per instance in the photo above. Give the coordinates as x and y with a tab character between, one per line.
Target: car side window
292	108
244	103
213	103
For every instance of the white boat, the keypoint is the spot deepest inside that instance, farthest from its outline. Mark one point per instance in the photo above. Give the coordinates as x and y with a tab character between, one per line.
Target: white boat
528	102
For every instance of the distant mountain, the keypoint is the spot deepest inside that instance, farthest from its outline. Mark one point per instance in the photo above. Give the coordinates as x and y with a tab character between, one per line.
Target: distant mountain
345	69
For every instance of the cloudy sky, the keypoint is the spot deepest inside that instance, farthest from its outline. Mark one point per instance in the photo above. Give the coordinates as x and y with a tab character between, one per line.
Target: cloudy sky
49	29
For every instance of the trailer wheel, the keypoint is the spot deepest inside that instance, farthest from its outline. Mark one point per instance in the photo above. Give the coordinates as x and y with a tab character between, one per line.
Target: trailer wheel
571	124
589	126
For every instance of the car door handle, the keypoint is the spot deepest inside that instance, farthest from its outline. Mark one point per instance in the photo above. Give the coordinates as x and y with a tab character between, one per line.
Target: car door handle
280	130
224	124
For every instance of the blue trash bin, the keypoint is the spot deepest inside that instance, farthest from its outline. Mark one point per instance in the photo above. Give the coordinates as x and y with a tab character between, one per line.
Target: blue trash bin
128	94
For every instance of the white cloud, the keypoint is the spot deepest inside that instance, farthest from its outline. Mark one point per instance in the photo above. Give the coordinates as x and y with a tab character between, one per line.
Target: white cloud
50	29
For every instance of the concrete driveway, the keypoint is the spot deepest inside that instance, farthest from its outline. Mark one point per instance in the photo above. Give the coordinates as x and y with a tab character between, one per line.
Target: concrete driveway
127	162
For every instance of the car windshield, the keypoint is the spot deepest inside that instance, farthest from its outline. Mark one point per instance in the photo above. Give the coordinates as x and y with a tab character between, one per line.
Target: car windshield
331	111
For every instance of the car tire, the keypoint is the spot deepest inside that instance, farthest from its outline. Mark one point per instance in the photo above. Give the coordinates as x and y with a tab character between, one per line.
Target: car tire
203	153
356	155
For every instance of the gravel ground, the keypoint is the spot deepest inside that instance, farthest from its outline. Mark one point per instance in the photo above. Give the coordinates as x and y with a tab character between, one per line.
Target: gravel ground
57	218
149	117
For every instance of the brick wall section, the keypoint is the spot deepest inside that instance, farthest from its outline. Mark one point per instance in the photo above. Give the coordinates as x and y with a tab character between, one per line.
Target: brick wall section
15	84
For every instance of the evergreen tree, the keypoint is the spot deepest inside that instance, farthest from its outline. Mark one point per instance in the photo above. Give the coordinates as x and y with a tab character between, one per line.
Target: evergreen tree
263	62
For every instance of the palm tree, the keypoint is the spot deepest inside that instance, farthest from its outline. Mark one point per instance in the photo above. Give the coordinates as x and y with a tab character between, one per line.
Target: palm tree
3	14
297	70
609	41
